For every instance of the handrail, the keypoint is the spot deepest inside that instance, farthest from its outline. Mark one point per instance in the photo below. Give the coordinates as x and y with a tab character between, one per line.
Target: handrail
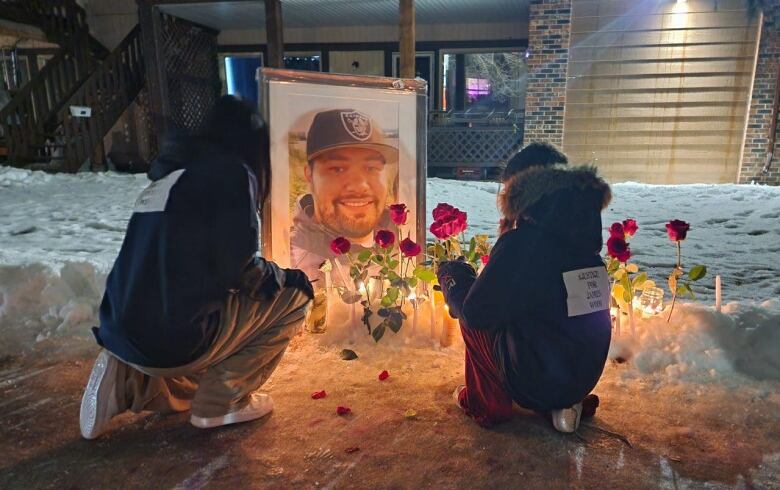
111	87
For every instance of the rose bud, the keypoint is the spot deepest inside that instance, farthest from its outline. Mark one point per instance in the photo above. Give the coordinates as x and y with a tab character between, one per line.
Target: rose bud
630	227
384	238
398	213
409	248
677	230
618	248
340	245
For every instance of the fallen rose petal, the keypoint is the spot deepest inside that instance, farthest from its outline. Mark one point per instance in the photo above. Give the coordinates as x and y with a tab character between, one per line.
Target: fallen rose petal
318	394
343	410
383	375
351	450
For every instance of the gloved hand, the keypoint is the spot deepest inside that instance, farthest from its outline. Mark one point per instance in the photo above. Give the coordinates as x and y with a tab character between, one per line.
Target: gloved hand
294	278
259	280
455	279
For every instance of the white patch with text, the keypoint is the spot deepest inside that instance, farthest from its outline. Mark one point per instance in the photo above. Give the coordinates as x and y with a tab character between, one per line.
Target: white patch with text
587	290
154	198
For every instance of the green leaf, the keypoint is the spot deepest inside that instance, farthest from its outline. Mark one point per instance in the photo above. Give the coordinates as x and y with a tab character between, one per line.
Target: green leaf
348	354
379	331
472	246
424	274
364	255
378	259
683	289
439	251
697	273
386	301
354	272
394	323
613	266
392	293
625	281
412	281
639	280
392	276
618	275
632	268
392	263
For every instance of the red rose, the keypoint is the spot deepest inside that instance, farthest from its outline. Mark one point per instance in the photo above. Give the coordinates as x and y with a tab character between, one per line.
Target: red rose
343	410
485	259
398	213
318	394
460	221
630	227
618	248
617	231
441	210
677	230
409	248
383	375
384	238
340	245
438	230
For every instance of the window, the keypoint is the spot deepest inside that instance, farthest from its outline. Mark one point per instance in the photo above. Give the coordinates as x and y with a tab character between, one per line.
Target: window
483	81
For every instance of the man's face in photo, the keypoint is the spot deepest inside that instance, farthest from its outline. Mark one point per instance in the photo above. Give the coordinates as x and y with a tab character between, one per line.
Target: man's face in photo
349	187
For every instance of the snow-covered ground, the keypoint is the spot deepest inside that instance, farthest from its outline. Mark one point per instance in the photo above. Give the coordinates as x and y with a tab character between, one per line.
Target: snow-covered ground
60	234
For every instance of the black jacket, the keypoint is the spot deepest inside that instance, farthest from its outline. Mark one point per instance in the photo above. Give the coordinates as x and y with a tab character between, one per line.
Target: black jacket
549	357
191	234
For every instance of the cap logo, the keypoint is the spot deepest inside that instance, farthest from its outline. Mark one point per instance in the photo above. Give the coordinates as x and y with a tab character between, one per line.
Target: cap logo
358	125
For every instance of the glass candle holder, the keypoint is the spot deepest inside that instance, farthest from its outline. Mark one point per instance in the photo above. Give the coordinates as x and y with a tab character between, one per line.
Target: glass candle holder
651	302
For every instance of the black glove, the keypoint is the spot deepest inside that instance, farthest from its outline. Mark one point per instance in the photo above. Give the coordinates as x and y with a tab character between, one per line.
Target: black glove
294	278
455	279
258	280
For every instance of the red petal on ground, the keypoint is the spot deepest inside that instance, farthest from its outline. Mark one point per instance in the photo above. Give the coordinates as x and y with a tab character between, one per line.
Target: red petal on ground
383	375
350	450
318	394
343	410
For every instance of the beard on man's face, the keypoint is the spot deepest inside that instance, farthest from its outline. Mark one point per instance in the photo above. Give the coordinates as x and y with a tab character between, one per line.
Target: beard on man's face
352	216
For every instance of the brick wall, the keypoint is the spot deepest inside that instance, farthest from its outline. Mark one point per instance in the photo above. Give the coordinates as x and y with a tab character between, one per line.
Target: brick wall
759	119
548	44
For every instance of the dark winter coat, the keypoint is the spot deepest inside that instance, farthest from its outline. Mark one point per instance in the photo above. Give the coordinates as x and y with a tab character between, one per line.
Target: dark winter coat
191	234
552	335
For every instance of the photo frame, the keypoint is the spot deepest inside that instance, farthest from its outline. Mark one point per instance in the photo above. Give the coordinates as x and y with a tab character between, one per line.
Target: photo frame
343	148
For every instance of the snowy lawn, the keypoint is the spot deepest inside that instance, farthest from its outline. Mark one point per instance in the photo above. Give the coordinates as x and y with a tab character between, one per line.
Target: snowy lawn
698	397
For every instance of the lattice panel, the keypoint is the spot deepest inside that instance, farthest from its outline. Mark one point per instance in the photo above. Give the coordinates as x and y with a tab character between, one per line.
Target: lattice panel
482	147
191	65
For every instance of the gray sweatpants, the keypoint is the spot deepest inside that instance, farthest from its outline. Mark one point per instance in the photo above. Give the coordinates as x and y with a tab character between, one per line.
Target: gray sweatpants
249	344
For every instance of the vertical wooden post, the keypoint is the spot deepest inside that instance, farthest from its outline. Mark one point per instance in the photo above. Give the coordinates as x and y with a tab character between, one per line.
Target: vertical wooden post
274	34
156	76
406	30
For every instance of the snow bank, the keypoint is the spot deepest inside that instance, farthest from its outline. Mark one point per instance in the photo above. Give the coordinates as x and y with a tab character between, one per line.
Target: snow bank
700	343
61	233
37	302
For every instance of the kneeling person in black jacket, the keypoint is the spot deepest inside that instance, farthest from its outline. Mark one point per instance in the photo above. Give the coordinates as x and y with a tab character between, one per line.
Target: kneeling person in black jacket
536	322
192	319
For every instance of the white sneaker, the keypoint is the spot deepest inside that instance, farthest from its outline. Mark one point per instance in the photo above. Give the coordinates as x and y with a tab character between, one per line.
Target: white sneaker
99	403
456	395
567	420
259	405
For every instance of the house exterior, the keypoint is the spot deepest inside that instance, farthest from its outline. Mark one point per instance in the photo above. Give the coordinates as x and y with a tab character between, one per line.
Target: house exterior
657	91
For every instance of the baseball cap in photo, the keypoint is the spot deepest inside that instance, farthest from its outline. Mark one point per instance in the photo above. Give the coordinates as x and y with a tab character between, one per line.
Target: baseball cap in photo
347	128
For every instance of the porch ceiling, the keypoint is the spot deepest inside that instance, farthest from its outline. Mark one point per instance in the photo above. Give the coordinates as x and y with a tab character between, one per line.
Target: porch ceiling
330	13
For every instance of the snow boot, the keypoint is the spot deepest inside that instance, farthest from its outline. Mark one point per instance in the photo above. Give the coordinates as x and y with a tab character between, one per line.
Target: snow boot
100	401
259	405
567	420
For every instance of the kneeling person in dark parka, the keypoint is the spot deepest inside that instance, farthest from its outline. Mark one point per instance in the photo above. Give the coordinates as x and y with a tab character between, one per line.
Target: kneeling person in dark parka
536	321
192	318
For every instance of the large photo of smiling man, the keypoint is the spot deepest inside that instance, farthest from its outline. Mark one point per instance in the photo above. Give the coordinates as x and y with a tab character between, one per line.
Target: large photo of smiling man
347	180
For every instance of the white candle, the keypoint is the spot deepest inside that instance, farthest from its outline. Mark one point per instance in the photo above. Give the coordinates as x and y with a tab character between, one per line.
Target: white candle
328	294
432	301
718	296
617	321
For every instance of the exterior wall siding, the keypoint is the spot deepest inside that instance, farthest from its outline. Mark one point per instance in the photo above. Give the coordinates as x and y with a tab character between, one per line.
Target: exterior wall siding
548	44
759	122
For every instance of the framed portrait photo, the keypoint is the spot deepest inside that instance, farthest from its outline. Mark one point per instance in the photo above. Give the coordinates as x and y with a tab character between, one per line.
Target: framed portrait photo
343	149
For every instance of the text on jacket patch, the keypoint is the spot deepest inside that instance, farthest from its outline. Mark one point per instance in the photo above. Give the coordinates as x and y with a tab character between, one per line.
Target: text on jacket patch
587	290
154	198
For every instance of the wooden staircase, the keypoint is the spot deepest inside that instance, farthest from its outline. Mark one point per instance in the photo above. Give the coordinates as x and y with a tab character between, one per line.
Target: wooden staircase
38	124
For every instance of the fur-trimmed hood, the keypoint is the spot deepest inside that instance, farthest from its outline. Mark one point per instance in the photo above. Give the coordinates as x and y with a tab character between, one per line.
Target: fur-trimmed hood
565	201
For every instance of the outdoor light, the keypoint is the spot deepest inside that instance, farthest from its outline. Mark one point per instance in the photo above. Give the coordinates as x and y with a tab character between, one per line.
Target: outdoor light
651	301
